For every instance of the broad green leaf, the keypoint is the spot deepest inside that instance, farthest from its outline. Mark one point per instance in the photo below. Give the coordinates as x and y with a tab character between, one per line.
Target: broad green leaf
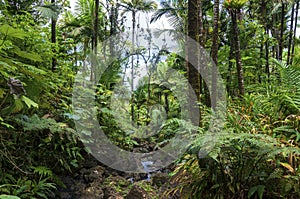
259	189
9	197
12	32
29	102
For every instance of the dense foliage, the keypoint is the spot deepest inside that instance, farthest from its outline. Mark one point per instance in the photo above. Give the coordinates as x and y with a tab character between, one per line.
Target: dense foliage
254	44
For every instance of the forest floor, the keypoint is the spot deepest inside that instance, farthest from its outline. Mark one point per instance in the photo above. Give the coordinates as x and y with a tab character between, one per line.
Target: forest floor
97	181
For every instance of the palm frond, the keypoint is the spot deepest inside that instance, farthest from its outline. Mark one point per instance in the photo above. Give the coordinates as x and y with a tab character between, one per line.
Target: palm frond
49	11
171	12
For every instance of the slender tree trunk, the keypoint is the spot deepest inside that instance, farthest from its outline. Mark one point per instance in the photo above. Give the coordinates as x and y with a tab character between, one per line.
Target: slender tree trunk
113	28
274	31
95	38
267	56
231	57
167	104
291	34
261	56
201	42
75	59
132	64
281	31
96	26
214	54
295	31
53	40
200	58
204	85
265	22
238	58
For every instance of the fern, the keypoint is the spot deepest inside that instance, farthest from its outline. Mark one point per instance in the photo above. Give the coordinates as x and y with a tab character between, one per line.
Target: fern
43	172
240	164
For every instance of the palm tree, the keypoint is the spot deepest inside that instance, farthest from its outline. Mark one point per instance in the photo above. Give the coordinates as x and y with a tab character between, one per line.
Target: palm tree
234	8
86	27
87	21
135	6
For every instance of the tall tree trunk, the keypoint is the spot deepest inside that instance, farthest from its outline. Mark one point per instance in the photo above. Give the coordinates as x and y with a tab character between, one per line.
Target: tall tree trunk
201	83
113	28
53	40
282	21
192	50
132	64
231	57
261	56
263	9
96	26
267	56
237	48
295	31
192	55
291	34
274	31
95	38
201	42
214	54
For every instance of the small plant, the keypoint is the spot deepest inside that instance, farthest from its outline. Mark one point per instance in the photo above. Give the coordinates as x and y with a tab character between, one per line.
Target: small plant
35	185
